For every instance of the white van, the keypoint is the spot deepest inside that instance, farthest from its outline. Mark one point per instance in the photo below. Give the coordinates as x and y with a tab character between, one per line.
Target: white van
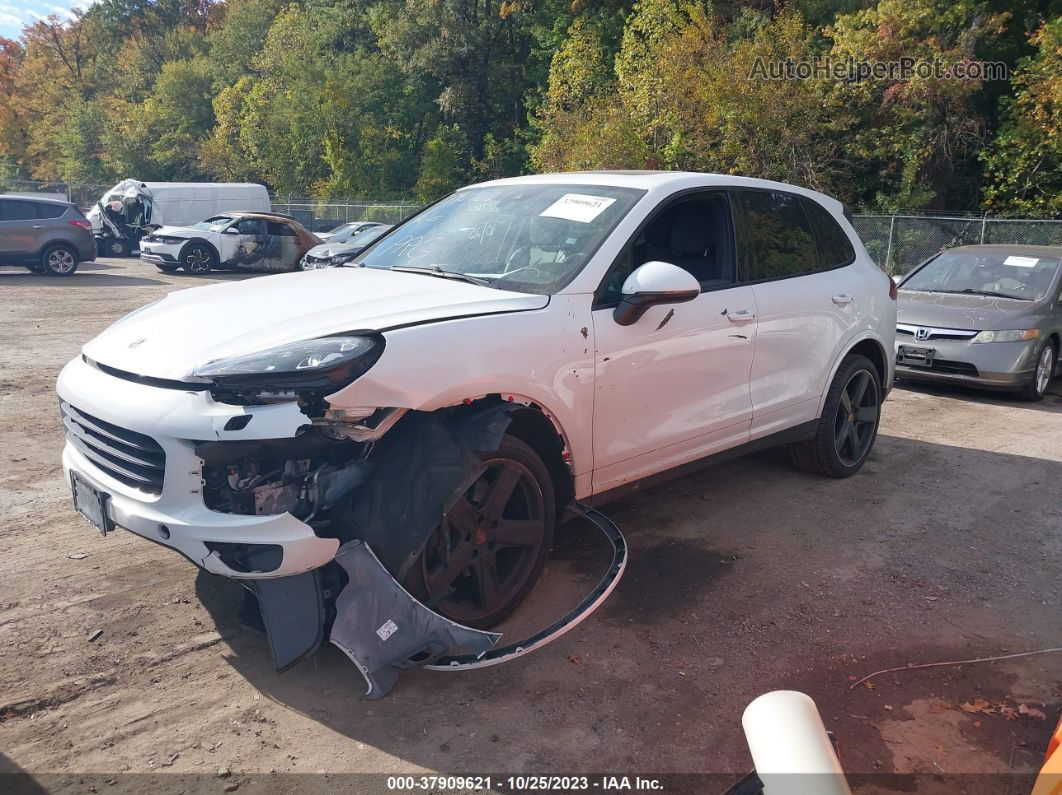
132	208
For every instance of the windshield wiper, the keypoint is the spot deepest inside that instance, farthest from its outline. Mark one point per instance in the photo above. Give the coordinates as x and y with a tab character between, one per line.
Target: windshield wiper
968	291
435	270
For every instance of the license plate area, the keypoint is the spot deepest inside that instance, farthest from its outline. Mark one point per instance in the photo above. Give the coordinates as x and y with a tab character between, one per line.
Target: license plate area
91	503
912	356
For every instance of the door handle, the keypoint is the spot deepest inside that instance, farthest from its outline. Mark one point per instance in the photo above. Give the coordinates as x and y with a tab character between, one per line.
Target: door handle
740	315
37	226
843	298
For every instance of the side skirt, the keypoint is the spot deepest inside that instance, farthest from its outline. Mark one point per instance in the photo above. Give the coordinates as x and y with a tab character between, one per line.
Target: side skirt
798	433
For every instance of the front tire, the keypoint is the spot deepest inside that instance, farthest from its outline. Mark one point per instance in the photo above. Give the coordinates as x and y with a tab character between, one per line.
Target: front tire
197	259
848	426
1042	375
58	260
485	556
166	268
115	247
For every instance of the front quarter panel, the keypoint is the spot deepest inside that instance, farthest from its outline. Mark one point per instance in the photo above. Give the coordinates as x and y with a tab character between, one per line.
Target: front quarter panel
544	355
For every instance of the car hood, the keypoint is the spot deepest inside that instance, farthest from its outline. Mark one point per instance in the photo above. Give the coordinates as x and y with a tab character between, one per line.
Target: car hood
189	328
973	312
179	231
335	246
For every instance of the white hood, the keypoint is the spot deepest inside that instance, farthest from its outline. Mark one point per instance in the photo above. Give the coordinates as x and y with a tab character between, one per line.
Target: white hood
189	328
178	231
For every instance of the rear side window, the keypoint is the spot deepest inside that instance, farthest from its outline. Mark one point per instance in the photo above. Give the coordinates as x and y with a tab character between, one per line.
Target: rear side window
835	249
775	237
49	210
14	210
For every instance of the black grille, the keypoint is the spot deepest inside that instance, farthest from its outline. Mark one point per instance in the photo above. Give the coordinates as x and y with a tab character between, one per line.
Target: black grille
127	456
946	366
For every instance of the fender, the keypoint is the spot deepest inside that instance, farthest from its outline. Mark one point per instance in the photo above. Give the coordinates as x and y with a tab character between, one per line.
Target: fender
846	348
424	369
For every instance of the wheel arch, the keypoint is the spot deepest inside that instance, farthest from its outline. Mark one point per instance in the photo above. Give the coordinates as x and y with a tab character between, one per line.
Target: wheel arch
866	345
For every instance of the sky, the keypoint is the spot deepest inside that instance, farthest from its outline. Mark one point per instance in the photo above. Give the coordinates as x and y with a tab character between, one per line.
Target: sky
16	13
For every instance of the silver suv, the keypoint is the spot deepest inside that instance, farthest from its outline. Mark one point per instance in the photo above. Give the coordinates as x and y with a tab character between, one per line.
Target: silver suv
46	235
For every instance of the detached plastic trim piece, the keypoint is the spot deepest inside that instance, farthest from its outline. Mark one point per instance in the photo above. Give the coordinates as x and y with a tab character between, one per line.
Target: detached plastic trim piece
588	605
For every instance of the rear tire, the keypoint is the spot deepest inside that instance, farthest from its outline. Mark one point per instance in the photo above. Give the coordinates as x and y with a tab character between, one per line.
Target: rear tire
848	426
509	542
1042	375
58	260
197	259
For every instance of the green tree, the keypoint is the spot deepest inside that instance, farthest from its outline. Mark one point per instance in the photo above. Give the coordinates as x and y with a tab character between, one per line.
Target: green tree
1023	167
917	139
443	164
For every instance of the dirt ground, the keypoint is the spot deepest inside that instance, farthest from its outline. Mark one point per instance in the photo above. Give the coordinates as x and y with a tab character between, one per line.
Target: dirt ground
747	577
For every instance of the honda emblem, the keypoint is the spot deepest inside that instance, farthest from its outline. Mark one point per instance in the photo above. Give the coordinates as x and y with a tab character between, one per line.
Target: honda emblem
921	333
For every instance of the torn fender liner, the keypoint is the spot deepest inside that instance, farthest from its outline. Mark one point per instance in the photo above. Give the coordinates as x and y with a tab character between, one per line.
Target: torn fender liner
384	630
293	614
420	468
588	605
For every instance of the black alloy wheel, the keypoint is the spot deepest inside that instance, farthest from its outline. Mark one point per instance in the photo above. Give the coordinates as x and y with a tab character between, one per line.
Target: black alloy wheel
856	419
848	424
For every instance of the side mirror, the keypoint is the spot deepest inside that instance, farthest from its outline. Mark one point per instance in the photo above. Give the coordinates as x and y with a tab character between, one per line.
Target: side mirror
230	230
651	284
896	278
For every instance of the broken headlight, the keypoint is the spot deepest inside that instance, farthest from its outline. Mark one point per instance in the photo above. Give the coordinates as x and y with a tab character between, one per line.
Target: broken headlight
308	368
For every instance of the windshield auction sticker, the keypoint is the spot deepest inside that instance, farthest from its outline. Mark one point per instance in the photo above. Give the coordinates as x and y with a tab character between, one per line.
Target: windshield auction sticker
577	207
1021	262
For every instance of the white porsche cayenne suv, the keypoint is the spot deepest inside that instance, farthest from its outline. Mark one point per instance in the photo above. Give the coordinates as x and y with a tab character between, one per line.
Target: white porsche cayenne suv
582	334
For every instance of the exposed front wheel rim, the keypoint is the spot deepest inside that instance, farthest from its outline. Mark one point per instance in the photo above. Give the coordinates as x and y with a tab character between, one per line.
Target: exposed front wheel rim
197	261
479	558
61	261
856	418
1043	369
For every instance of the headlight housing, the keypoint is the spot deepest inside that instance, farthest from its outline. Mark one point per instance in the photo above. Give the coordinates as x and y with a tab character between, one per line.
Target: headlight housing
306	369
340	259
1013	335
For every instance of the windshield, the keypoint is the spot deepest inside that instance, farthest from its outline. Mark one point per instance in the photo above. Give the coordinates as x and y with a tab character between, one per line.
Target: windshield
996	274
368	234
524	237
215	224
350	229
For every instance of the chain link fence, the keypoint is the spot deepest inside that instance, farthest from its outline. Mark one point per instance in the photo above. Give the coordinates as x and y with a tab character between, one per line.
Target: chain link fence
897	243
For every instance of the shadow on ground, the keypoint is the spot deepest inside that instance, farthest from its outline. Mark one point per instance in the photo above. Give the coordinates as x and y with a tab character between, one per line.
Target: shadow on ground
743	578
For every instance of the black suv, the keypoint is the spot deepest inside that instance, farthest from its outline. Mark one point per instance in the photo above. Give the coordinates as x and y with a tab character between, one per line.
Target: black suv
46	235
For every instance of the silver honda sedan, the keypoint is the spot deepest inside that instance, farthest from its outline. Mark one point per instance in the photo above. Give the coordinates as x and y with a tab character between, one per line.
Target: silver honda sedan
987	316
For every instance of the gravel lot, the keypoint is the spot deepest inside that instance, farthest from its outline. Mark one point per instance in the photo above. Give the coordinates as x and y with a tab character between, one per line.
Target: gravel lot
744	578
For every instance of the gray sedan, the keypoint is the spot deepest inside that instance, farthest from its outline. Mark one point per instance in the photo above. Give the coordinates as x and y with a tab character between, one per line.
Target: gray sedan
986	316
341	249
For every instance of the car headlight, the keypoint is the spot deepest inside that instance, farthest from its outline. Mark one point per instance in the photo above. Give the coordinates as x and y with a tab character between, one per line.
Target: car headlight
307	369
1014	335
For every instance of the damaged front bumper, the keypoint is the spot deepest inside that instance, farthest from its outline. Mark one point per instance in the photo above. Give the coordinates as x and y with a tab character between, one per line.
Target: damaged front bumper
321	519
175	515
